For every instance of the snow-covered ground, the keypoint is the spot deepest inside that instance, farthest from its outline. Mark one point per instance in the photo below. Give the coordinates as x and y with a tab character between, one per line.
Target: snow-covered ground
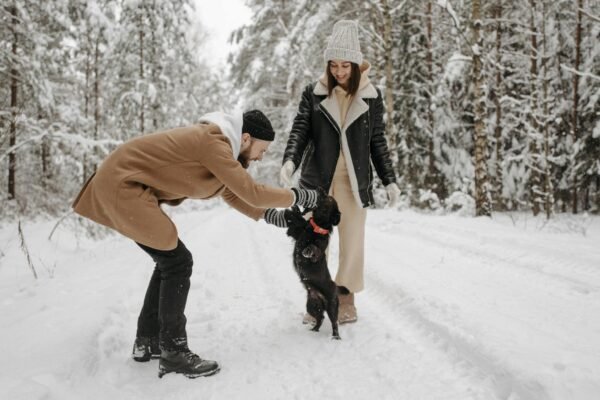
454	308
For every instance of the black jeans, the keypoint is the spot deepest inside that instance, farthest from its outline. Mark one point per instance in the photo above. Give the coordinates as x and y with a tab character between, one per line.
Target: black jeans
162	314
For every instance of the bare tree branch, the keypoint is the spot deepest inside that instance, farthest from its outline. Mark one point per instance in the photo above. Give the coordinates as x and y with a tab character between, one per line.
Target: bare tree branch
589	14
585	74
25	250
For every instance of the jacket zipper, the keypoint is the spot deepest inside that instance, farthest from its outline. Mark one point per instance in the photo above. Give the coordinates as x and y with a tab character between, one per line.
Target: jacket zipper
340	133
324	111
334	127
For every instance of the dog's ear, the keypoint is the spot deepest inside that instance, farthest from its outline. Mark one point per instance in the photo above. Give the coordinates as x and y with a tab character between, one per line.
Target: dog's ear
335	219
322	193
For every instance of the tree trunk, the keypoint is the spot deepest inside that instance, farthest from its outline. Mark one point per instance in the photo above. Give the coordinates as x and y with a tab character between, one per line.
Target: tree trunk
482	196
96	97
432	180
141	34
498	92
547	183
389	81
45	155
14	80
534	148
46	174
576	95
86	108
561	193
154	59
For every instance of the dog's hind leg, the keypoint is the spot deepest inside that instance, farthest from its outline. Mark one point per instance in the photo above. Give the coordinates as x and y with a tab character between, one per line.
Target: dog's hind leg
315	306
318	324
333	305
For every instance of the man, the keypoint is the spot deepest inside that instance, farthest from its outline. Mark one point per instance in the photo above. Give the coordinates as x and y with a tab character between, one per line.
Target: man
200	162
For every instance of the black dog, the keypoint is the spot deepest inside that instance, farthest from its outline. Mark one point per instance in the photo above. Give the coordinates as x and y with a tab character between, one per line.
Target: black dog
310	261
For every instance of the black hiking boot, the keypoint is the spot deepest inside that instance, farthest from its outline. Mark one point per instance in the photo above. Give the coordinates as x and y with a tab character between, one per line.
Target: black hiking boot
145	349
187	363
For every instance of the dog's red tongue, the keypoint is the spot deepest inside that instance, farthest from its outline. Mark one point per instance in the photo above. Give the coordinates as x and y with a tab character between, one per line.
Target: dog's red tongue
317	228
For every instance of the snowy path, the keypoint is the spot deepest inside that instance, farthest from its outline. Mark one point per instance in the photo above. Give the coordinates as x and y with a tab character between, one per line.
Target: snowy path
455	308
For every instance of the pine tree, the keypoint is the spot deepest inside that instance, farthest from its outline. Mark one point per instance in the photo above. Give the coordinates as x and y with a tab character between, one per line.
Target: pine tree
586	108
153	64
93	23
64	69
415	100
33	35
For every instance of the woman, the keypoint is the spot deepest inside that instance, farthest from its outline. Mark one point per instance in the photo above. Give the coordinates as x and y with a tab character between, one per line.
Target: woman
338	131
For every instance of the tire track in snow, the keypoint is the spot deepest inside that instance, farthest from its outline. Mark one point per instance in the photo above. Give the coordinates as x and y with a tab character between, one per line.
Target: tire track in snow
492	310
573	256
573	253
464	353
511	264
269	315
364	341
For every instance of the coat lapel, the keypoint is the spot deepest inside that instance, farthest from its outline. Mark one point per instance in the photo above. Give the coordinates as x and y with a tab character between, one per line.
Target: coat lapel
330	104
357	107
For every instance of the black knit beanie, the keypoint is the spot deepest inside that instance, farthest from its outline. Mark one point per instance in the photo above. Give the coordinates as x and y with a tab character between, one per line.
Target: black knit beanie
258	125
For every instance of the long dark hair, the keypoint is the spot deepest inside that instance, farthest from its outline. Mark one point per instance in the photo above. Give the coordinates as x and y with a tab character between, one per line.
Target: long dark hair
353	82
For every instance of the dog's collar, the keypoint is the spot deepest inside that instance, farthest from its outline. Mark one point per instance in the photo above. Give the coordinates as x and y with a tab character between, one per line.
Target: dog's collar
317	228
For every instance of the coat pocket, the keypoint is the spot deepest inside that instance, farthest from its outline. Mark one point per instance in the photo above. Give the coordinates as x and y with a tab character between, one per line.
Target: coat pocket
147	194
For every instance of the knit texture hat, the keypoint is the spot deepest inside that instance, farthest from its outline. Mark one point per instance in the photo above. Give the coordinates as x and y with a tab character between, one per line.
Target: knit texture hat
343	43
258	125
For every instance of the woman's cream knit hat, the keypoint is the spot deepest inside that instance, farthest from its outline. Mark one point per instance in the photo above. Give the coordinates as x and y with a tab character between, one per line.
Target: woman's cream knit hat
343	43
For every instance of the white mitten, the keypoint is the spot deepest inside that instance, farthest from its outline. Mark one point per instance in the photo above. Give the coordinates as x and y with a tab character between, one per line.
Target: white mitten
285	176
393	192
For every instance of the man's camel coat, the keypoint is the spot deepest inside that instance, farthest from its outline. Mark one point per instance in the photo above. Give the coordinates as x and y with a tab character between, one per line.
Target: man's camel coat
194	162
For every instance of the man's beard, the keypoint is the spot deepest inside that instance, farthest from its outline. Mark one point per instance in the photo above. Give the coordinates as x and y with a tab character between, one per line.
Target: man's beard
243	159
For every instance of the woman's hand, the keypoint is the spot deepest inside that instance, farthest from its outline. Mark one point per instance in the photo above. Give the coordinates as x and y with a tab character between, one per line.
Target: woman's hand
393	192
285	176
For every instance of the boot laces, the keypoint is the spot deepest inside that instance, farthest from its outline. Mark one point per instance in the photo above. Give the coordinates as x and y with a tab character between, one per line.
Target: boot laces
191	356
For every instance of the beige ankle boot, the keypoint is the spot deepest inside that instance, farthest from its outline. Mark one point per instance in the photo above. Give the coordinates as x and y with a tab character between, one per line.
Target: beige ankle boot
347	311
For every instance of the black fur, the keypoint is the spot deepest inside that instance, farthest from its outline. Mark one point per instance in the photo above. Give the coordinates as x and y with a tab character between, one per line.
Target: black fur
310	261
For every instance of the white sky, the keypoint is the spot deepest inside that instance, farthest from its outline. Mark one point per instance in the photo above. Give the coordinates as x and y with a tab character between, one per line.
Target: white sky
220	18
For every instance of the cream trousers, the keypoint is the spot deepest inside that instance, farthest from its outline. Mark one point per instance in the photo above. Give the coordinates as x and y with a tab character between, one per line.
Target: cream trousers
351	231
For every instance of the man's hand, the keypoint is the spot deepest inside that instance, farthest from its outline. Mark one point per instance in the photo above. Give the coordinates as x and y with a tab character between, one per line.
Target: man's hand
306	198
279	218
285	176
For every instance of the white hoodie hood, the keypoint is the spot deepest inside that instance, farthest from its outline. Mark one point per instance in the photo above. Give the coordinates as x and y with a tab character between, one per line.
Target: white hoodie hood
230	125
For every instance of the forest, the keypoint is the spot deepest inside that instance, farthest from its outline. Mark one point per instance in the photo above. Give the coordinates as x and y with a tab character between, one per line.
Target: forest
493	101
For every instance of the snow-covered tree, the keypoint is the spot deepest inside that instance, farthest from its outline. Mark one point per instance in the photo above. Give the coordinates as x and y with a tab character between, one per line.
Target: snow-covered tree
32	66
69	88
79	76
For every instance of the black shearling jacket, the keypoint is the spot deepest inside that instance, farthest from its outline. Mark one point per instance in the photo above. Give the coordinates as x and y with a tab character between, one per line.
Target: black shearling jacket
316	137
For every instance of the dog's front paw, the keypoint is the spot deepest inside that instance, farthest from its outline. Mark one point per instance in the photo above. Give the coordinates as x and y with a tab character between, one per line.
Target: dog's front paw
293	216
312	252
336	337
